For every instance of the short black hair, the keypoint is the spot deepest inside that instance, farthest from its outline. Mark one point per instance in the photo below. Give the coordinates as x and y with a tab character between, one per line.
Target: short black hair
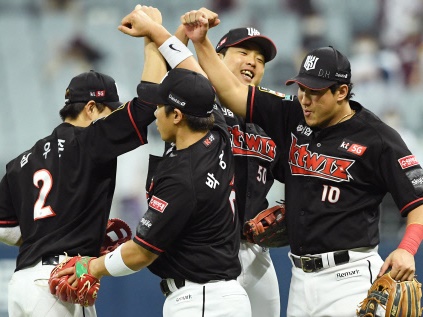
194	123
335	87
72	110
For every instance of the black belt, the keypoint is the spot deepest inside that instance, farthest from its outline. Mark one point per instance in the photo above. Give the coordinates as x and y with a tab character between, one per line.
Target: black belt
50	260
312	263
164	286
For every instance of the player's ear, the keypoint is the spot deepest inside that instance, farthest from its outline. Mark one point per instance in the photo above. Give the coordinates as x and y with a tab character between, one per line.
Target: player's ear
343	92
90	109
177	115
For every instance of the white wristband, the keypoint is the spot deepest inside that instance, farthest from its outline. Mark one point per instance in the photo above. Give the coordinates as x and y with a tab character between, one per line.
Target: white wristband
115	265
10	235
174	51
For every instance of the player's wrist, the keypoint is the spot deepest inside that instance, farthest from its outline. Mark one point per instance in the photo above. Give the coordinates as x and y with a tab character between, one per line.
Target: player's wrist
174	51
413	236
115	265
94	268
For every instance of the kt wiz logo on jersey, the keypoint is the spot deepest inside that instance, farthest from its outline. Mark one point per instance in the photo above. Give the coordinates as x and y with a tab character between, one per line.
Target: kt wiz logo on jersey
251	144
303	162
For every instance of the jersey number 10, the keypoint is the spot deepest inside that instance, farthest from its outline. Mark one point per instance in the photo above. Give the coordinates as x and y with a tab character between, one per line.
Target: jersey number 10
330	194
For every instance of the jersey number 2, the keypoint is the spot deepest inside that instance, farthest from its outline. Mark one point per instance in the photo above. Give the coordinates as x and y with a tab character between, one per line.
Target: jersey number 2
41	211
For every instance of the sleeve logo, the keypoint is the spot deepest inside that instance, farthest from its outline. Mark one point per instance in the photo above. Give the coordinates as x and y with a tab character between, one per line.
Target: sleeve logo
408	161
157	204
276	93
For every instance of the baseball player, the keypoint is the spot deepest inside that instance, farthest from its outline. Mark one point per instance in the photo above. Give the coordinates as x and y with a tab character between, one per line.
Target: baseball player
245	52
55	198
189	236
339	160
189	233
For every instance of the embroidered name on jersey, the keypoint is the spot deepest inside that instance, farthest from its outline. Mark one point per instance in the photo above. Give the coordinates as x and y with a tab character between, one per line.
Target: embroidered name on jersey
352	147
408	161
157	204
303	162
248	144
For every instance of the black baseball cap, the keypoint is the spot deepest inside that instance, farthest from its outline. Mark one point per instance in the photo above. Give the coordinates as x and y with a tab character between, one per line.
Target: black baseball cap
236	36
190	92
93	86
322	68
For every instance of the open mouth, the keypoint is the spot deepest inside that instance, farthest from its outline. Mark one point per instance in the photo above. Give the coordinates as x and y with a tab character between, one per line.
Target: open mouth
247	73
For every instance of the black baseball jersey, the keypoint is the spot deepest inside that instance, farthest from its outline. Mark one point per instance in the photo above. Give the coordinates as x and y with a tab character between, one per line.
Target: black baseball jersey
191	220
60	191
254	153
336	178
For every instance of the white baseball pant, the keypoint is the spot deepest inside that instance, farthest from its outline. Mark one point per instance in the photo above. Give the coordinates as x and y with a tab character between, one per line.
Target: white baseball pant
258	278
29	295
335	291
212	299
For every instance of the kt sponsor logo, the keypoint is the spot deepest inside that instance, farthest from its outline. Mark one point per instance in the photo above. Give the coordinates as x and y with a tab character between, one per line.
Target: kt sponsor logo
353	148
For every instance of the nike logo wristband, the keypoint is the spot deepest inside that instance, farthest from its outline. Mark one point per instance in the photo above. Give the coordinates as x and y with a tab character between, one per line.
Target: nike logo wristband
174	51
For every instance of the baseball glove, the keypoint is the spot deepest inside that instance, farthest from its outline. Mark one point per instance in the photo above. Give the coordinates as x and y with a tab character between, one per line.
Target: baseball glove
117	233
85	293
387	297
268	228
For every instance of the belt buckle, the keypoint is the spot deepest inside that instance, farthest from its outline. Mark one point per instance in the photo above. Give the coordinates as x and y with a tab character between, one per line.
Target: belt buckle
303	264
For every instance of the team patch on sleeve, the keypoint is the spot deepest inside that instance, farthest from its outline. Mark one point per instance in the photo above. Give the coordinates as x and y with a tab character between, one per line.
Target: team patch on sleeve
416	178
276	93
157	204
408	161
147	222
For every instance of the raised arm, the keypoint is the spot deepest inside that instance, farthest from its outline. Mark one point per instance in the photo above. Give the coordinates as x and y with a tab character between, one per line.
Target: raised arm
154	64
232	93
212	18
139	24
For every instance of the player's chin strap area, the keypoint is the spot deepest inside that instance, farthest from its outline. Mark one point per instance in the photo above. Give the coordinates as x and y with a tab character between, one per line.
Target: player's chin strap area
313	263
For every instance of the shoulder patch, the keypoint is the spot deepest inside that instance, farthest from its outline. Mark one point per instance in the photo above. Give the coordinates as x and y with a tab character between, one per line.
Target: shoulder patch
157	204
408	161
276	93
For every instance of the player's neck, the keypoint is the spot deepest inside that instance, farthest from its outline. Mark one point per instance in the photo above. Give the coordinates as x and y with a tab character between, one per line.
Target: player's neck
186	138
346	114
